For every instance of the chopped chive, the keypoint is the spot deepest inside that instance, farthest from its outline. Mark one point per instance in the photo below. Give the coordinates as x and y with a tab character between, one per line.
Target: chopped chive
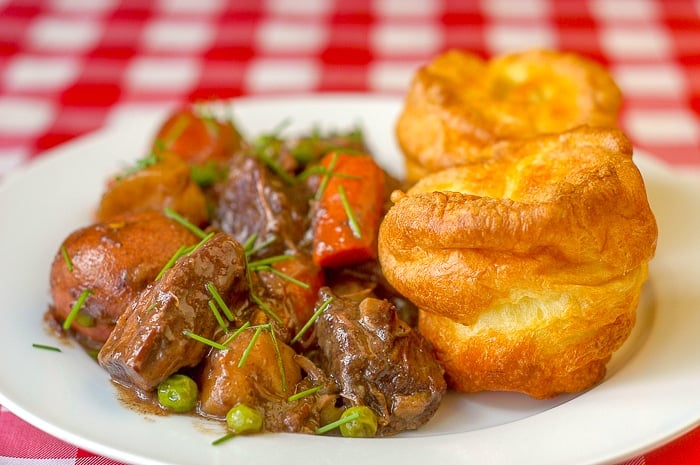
313	318
45	347
236	333
346	176
223	438
280	363
304	393
337	423
176	130
265	308
178	253
172	214
66	258
76	308
288	278
250	242
211	122
207	174
258	248
327	176
281	126
219	300
204	340
352	220
316	169
268	261
142	163
181	252
217	315
274	166
202	242
152	307
252	342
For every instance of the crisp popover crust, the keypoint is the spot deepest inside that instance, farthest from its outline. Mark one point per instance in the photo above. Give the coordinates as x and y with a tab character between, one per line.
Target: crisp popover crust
527	267
460	103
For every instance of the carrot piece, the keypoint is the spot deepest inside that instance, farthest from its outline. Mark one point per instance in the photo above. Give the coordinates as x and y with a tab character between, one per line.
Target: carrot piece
349	211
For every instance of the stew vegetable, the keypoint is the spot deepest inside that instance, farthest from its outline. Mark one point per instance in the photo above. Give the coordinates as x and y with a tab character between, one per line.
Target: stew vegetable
236	278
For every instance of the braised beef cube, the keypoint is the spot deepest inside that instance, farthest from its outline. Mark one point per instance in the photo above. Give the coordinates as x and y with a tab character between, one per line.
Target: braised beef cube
377	360
255	201
147	344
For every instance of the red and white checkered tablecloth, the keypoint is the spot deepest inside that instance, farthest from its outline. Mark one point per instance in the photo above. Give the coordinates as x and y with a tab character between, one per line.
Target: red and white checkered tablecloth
68	67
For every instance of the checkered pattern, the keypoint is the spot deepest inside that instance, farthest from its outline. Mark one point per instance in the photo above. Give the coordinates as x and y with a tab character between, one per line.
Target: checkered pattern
68	67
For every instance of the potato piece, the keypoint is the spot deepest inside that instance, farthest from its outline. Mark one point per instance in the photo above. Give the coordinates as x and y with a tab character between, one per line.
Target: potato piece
225	384
163	181
114	260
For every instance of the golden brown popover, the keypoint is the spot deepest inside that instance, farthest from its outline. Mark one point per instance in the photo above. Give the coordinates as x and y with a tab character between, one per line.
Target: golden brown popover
527	268
460	103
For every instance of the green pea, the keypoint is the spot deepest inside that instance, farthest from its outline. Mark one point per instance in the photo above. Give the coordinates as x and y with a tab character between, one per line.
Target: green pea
364	426
242	419
178	393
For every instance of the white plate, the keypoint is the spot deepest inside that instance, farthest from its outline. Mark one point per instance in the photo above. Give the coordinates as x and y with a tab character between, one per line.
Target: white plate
649	396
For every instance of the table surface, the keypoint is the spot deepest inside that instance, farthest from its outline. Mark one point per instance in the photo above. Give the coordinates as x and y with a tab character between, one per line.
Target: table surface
69	67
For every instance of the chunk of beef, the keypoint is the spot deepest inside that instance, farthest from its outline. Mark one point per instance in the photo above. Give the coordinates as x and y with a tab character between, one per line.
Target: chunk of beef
377	360
255	201
147	344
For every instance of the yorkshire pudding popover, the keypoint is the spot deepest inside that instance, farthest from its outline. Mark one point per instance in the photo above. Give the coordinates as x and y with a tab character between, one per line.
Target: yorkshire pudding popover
459	103
527	268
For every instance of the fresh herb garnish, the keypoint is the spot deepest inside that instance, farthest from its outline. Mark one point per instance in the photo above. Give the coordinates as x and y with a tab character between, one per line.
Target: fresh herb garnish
280	363
235	334
304	393
152	307
219	300
250	345
265	265
181	252
265	308
250	247
176	130
207	174
204	340
265	148
217	315
335	424
352	220
76	308
141	164
326	176
313	318
45	347
173	215
66	258
289	278
274	166
222	439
